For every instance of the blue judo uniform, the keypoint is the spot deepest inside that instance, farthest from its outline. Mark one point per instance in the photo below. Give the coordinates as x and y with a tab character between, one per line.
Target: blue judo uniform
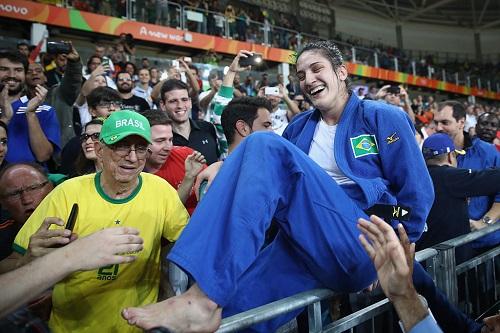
268	177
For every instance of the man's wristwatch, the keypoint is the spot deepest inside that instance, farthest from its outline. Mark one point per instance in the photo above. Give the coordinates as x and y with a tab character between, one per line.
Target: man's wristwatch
488	220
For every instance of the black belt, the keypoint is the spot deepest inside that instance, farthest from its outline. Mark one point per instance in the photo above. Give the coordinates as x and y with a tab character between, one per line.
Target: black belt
390	212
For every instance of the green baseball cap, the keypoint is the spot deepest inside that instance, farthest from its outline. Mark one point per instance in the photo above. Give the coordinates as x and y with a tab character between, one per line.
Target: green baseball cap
123	123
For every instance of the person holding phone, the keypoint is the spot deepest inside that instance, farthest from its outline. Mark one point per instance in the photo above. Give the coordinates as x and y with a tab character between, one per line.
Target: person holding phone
118	196
397	96
281	116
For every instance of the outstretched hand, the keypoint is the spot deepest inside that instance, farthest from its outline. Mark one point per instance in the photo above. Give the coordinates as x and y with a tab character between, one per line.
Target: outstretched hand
73	54
235	65
45	240
491	324
193	164
392	257
382	92
105	247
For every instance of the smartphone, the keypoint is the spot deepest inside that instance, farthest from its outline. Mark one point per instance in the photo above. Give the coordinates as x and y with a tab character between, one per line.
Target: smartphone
271	91
183	77
58	48
70	224
203	189
253	60
188	59
164	76
72	217
105	64
175	63
396	90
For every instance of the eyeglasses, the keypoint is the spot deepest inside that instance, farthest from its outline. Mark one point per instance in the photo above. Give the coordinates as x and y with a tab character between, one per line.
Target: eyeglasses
124	149
125	80
94	137
107	105
16	195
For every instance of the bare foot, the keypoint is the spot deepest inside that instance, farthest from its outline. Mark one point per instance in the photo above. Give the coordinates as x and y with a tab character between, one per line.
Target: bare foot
192	311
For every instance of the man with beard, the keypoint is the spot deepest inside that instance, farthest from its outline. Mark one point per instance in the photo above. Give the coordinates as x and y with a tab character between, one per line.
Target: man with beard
125	86
61	96
487	126
33	125
197	134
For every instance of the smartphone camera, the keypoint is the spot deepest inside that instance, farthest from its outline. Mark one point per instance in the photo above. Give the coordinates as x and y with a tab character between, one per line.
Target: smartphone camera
253	60
58	48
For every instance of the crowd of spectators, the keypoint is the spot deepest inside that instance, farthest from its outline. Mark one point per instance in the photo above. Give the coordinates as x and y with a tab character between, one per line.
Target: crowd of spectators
53	112
250	23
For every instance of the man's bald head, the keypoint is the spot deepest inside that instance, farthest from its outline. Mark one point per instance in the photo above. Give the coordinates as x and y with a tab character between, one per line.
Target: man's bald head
22	188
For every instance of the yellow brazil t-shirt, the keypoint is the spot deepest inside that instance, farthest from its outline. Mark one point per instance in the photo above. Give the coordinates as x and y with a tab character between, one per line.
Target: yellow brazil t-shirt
91	301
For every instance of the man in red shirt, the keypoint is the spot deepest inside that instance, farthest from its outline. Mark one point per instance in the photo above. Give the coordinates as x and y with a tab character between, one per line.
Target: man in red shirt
177	165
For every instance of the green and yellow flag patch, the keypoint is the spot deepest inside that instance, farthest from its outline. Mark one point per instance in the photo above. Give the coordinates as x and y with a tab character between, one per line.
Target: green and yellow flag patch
363	145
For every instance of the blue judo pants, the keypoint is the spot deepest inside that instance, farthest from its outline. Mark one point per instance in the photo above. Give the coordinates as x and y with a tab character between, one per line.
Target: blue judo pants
317	246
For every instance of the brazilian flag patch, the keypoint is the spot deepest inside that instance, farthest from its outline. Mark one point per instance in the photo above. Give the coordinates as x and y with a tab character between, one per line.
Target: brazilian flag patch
365	144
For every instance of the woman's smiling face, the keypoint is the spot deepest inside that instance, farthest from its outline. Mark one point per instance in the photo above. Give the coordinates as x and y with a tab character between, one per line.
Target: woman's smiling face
318	80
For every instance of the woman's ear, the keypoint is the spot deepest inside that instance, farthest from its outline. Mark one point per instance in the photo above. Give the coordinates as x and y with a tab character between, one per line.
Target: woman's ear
342	72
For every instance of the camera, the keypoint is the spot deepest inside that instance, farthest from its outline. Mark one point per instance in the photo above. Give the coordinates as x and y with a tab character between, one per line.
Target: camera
58	48
396	90
254	59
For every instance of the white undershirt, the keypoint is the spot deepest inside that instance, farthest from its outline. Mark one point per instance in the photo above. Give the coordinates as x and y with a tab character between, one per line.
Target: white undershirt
321	152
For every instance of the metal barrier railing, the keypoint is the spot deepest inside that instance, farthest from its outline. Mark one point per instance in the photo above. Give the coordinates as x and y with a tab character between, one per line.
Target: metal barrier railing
274	309
312	299
439	262
447	274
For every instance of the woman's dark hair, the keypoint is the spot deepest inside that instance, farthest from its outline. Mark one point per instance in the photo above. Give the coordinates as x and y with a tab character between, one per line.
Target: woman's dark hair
131	64
92	57
84	166
330	51
4	126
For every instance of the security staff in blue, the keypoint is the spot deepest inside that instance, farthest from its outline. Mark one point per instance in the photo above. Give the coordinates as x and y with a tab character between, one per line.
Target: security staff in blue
342	160
479	155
